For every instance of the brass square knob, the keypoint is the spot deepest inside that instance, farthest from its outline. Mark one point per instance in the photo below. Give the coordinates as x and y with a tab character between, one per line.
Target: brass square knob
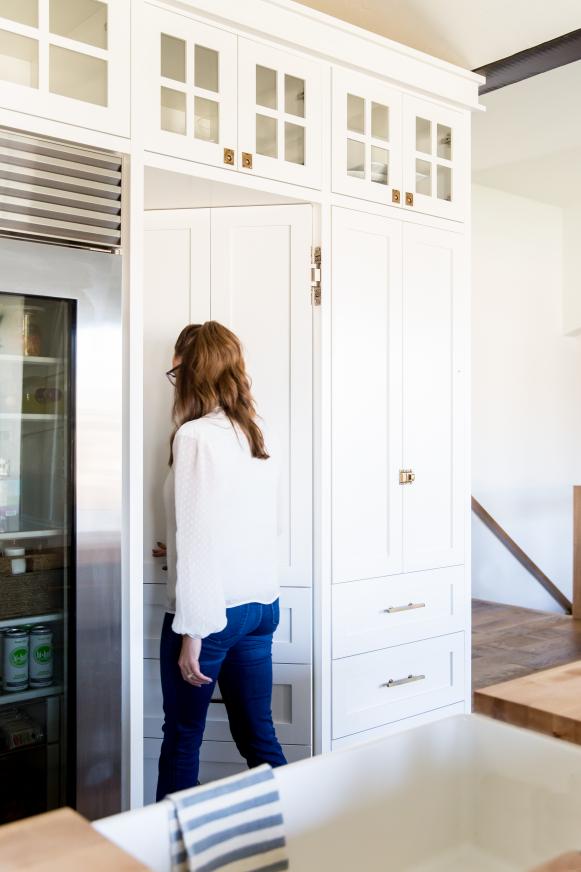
229	156
395	196
246	160
409	199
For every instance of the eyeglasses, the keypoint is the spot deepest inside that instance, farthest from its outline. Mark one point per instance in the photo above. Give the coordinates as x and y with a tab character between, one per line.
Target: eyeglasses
171	374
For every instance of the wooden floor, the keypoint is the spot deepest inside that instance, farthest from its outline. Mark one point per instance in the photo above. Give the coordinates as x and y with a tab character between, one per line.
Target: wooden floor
508	642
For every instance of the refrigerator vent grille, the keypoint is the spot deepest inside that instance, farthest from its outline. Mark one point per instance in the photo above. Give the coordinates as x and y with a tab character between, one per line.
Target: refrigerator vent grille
52	191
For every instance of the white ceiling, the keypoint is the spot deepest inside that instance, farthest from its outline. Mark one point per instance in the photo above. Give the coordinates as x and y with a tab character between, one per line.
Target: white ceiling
470	33
528	141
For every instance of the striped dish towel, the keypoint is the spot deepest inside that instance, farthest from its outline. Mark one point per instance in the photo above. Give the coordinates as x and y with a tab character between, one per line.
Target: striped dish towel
235	825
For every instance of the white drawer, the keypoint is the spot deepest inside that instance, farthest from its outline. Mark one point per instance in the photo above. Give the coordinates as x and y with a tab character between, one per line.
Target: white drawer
217	760
370	690
291	705
292	640
375	614
438	714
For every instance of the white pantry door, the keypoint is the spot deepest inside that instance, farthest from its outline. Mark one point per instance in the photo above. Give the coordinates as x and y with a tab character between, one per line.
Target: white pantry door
261	290
366	395
434	324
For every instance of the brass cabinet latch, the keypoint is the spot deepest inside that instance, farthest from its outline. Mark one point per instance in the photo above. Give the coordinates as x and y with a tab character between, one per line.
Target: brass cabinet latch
409	199
246	160
316	276
395	196
229	156
406	476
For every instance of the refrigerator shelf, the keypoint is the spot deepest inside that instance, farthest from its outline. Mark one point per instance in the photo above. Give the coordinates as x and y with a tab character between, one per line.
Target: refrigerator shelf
27	695
32	619
29	416
31	534
32	361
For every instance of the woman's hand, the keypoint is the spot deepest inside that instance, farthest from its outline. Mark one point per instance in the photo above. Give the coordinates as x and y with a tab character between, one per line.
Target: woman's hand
160	551
189	662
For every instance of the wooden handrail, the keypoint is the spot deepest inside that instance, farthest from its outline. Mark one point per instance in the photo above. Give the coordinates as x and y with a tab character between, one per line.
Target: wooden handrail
523	558
577	551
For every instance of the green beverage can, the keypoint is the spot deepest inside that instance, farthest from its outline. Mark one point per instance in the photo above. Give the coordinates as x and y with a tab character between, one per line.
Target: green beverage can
41	657
15	660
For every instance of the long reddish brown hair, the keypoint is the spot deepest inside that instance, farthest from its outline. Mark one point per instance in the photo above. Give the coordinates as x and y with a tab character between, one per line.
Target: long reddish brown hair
212	373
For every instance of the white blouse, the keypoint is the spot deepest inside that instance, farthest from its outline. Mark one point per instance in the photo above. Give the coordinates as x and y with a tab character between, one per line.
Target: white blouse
221	515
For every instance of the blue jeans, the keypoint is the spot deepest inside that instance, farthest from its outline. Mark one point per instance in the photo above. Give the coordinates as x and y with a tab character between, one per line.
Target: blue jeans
240	659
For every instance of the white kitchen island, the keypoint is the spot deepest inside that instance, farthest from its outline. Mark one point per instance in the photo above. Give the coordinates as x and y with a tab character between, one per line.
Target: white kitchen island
464	793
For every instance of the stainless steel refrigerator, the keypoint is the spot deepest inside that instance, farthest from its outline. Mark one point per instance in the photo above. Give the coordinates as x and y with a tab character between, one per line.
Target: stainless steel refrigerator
60	528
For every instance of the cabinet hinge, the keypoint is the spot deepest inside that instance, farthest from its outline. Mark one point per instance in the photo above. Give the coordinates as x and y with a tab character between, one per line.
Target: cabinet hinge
316	275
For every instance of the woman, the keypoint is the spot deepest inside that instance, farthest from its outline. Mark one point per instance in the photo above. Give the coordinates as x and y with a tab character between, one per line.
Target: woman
221	514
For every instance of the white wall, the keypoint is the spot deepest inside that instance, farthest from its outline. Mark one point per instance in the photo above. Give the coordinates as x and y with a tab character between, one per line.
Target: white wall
526	402
572	270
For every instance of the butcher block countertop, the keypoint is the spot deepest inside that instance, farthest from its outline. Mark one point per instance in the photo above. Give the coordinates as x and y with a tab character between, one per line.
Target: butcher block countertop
60	841
548	702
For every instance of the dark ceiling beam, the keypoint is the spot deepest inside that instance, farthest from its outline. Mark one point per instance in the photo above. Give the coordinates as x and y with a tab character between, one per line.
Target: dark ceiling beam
539	59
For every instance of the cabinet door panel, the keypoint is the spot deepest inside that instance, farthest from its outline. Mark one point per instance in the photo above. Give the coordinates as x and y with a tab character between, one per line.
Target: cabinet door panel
68	62
434	421
279	120
292	640
217	760
291	705
382	612
366	395
260	289
435	158
367	138
189	88
171	300
370	690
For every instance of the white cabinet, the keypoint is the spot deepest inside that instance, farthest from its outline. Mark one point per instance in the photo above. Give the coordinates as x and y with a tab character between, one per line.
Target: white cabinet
366	395
367	138
291	707
370	690
436	170
67	60
398	310
279	114
292	640
260	289
434	419
189	88
382	612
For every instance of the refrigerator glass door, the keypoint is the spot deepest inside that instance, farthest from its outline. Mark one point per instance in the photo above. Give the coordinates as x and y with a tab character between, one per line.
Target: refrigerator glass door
60	525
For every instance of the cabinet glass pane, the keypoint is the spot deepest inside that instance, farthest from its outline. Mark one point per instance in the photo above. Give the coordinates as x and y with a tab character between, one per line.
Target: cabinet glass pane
23	11
173	110
18	59
82	20
444	176
173	58
356	158
77	75
294	143
424	135
294	96
355	114
444	141
266	136
266	87
206	68
206	119
379	165
379	121
424	177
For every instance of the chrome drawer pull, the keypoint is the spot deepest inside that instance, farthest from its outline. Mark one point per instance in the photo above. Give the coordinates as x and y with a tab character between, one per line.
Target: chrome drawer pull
407	608
397	682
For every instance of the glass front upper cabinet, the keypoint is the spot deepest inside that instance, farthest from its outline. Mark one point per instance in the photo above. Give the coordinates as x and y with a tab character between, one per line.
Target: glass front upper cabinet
279	114
367	160
190	81
435	161
67	60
